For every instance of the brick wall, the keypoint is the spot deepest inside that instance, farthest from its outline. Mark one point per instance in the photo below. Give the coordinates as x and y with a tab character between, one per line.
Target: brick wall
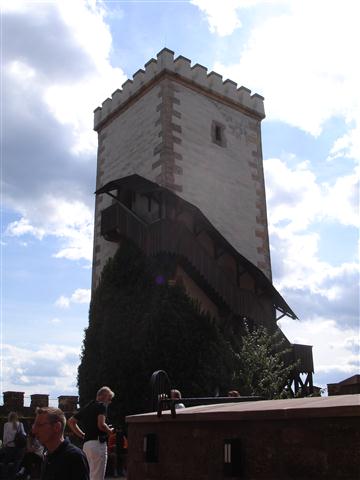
127	145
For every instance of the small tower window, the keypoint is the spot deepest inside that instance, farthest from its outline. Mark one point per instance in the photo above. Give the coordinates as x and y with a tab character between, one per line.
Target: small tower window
218	134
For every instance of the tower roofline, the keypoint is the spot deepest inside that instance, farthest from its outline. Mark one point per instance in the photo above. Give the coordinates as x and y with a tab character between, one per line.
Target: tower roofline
180	69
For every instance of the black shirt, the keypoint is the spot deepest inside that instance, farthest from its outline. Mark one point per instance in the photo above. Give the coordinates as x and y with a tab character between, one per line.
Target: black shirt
88	418
66	462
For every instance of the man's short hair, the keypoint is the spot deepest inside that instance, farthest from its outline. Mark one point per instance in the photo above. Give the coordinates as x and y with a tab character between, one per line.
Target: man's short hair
54	415
103	390
233	393
175	393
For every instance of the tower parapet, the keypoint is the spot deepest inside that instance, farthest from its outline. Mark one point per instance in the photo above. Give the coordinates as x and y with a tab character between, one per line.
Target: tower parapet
180	67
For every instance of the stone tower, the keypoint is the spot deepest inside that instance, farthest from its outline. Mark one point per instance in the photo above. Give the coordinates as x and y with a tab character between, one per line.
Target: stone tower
195	134
180	175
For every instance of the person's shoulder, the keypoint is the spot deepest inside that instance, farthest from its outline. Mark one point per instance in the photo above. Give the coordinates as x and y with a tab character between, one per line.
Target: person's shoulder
72	450
100	407
84	410
74	463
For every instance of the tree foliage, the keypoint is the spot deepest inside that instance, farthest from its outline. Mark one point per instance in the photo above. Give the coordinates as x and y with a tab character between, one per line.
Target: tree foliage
261	368
139	324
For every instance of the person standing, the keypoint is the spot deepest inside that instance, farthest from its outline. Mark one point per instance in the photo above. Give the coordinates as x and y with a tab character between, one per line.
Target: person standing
121	451
12	454
94	431
62	460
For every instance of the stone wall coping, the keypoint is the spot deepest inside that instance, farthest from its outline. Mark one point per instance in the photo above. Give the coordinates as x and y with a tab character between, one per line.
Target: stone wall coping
179	67
308	407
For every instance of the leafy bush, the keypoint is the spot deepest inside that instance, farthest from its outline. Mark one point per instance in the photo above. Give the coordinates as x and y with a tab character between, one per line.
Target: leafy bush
139	324
261	369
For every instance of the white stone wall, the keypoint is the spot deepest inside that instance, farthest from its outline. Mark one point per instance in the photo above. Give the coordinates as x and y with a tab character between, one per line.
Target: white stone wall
222	180
130	139
126	146
160	126
196	74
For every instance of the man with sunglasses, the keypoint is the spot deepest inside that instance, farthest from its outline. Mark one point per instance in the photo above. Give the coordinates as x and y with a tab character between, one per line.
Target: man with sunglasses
62	460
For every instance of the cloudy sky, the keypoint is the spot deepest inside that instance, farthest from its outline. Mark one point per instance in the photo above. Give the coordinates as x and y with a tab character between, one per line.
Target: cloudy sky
61	59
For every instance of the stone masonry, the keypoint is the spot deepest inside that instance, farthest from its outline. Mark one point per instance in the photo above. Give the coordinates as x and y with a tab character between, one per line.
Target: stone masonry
189	131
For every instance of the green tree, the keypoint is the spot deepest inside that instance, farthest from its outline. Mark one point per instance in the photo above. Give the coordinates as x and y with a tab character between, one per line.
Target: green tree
261	370
139	324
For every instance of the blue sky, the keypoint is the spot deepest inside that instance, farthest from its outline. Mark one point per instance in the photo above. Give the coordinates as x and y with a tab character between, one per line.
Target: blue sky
62	59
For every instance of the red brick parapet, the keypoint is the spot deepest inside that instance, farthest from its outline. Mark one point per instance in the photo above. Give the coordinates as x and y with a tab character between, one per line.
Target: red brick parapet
68	403
13	400
39	400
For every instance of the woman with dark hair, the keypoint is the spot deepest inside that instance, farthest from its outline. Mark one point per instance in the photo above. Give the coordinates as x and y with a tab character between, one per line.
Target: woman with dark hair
11	455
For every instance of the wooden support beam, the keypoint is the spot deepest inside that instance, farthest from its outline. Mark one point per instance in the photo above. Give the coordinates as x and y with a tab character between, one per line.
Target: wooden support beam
218	251
240	271
113	196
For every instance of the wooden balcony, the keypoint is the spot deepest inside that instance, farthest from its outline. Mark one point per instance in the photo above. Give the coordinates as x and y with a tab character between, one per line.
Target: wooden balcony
167	236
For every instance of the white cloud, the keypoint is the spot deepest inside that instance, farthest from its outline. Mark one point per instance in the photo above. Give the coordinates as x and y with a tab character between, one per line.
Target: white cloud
348	145
327	337
62	302
19	69
297	197
55	321
71	221
297	204
54	77
224	17
342	199
50	367
71	100
23	227
73	103
80	295
305	71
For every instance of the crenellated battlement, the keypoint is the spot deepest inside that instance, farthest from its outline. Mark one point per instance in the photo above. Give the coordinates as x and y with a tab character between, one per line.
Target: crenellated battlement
196	75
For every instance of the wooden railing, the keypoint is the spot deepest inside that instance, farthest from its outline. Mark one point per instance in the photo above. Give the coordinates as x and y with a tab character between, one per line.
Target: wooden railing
166	236
170	237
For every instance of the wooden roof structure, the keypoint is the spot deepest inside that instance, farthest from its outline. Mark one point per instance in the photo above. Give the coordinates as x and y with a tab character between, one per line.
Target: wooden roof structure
145	187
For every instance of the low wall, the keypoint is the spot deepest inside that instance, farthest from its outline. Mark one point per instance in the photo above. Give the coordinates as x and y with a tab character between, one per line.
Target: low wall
312	438
14	402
